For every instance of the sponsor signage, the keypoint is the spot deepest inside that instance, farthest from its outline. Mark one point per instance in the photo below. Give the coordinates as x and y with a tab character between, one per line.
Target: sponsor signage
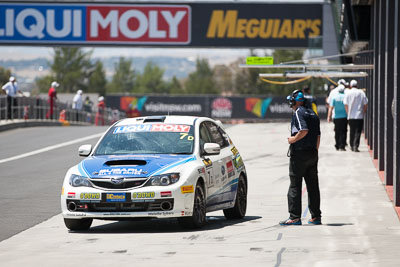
218	107
154	24
259	60
94	24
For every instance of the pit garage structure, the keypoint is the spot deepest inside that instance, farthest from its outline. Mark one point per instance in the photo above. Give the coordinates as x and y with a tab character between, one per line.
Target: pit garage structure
372	30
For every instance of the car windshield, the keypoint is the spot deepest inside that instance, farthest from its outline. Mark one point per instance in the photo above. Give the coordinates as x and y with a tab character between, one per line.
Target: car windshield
147	139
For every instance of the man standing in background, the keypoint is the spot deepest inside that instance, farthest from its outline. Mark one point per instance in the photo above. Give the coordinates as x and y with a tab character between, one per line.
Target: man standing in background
52	99
77	103
339	119
11	90
355	102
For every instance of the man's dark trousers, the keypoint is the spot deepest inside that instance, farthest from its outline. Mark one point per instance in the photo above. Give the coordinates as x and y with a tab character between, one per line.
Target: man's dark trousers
340	132
356	127
303	163
11	104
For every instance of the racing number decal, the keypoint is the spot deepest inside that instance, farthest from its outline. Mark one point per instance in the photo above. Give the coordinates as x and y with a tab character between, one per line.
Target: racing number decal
210	178
209	172
184	135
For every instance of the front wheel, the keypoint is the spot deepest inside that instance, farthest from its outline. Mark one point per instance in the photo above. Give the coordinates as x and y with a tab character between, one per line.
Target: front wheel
239	210
198	218
78	224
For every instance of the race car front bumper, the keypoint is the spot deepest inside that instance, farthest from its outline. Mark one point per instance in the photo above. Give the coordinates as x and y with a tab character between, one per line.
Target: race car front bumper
98	204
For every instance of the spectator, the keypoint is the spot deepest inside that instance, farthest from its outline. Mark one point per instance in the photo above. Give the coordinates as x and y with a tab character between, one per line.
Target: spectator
309	100
355	103
339	119
11	90
52	99
88	105
101	106
334	92
77	103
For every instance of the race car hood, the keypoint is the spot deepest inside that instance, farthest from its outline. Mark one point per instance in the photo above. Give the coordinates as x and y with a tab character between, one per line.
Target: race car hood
130	165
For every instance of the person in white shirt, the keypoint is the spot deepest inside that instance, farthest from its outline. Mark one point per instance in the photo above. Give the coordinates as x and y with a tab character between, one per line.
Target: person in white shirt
355	102
11	90
77	103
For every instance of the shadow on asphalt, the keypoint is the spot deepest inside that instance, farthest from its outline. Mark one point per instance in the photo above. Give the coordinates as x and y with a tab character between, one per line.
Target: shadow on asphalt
161	226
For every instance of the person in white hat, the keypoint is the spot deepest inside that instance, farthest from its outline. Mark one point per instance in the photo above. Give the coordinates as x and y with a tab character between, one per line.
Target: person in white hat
77	103
52	99
11	90
334	92
339	119
355	102
101	105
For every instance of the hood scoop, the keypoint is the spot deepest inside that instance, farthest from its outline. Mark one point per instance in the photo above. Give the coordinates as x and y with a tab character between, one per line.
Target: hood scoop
128	162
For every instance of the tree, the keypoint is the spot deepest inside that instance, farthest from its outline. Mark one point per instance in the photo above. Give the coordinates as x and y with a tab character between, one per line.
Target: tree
224	79
97	79
175	87
124	78
43	84
71	68
150	81
201	81
4	75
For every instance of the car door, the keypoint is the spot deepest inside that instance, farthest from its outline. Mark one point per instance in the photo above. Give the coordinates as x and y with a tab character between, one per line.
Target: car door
208	160
224	171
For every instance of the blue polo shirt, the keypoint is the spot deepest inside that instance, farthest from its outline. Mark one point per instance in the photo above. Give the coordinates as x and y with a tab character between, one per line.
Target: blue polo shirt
305	119
337	104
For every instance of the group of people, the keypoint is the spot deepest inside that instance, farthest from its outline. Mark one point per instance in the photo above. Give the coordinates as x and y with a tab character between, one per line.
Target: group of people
79	105
347	105
11	90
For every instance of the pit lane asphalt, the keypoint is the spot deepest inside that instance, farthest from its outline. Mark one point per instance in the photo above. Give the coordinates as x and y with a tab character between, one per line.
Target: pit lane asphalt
360	226
30	187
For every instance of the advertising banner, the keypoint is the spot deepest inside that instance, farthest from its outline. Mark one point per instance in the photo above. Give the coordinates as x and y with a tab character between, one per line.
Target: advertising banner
217	107
131	24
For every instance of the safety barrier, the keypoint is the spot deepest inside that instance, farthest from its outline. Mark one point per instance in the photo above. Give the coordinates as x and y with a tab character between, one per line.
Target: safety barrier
30	108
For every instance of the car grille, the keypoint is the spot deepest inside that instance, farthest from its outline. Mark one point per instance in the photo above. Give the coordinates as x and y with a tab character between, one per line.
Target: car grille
125	185
148	205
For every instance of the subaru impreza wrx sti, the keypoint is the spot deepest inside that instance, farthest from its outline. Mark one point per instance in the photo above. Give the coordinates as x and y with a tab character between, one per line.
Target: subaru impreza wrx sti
156	167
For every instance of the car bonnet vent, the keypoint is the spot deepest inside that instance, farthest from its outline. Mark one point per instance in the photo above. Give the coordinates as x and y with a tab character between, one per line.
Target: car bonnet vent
155	119
126	162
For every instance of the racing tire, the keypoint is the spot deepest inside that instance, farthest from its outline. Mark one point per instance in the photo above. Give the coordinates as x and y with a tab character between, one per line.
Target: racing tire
239	210
78	224
198	218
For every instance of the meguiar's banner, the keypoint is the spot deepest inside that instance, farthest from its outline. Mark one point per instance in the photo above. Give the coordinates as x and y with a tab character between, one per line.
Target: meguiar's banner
156	24
217	107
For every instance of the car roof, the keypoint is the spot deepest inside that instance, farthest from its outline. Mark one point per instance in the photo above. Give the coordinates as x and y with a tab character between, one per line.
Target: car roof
172	119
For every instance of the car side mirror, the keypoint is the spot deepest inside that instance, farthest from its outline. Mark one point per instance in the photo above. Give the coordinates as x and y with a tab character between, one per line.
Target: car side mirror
212	149
85	150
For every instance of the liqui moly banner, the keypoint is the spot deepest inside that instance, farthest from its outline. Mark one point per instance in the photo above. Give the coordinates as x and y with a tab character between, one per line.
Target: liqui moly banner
95	24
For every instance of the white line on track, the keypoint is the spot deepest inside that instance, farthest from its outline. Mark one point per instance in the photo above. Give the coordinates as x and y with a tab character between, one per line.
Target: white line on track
45	149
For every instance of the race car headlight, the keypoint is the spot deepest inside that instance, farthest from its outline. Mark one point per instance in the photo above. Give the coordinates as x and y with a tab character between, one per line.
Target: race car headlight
163	180
76	180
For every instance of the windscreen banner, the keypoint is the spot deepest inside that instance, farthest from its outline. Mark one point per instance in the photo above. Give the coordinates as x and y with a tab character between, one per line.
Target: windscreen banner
154	24
217	107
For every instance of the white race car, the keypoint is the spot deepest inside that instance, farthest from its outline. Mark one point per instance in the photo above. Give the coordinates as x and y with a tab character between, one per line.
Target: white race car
156	167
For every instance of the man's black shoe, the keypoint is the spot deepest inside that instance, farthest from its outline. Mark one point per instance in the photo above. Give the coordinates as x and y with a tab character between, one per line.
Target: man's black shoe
356	149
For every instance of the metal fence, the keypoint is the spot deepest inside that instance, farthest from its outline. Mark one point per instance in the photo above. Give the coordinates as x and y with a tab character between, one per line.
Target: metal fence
30	108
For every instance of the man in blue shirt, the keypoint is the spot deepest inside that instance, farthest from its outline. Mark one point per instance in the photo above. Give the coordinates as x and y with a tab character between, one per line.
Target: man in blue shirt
339	118
304	144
